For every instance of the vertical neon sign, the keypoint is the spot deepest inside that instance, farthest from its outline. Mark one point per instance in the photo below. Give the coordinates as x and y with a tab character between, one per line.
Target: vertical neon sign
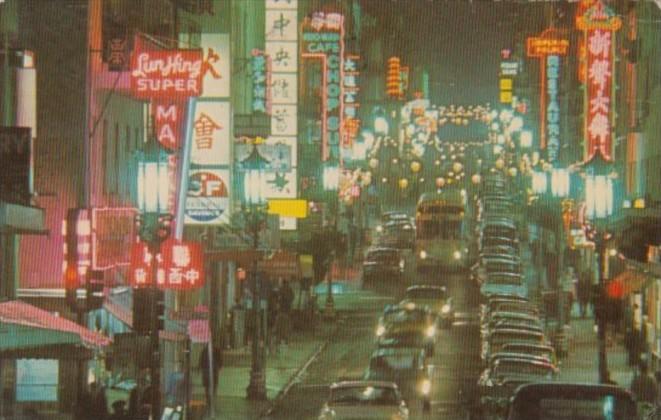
599	25
323	39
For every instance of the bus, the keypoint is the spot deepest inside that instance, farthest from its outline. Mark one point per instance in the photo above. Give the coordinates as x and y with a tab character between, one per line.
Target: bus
442	230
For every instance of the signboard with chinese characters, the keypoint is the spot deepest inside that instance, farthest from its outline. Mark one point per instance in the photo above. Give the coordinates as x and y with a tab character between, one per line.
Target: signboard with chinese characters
549	47
113	232
350	105
210	133
281	47
276	150
323	39
261	78
165	73
215	65
599	25
207	198
180	265
117	48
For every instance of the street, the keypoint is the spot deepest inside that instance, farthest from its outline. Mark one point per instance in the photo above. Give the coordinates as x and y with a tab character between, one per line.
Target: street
456	360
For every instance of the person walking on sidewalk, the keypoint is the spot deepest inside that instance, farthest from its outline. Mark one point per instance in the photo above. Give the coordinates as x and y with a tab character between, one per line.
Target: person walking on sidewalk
644	386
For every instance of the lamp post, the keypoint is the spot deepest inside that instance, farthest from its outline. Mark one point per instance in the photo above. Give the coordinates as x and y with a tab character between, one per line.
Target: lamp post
254	167
599	208
154	222
331	179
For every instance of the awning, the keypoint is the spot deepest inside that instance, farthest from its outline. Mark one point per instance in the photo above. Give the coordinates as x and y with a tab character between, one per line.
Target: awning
28	330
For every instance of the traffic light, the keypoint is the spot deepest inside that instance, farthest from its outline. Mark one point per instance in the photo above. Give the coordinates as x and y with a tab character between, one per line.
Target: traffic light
94	288
142	309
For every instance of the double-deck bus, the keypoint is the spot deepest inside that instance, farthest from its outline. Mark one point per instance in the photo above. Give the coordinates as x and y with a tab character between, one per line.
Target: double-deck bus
442	230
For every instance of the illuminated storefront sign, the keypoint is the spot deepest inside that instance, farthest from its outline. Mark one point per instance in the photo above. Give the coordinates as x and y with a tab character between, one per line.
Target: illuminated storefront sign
323	38
549	47
261	78
164	74
113	232
599	24
180	265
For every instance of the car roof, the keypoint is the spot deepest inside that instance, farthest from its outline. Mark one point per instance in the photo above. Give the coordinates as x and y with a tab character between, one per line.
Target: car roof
512	314
513	331
355	384
426	287
516	355
528	345
533	391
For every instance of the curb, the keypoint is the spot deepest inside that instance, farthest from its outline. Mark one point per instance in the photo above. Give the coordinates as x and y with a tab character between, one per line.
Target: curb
296	375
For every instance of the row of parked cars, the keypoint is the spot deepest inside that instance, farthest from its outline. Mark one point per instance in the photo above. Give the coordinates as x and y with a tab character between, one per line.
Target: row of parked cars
398	373
515	349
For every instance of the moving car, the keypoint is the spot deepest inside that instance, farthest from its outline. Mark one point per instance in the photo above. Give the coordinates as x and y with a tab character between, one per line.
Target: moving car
383	264
364	400
397	234
556	401
410	325
435	298
407	367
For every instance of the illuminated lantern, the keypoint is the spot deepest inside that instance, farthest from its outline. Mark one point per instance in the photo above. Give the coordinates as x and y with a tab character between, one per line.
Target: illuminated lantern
384	179
500	163
457	166
403	183
393	78
374	163
440	181
415	166
475	179
512	172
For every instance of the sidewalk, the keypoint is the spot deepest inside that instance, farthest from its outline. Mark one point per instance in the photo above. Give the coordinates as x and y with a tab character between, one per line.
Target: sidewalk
581	363
281	369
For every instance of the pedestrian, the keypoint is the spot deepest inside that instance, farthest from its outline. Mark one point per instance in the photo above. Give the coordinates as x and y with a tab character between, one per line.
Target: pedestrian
281	329
644	385
99	400
175	389
206	366
286	297
583	293
140	398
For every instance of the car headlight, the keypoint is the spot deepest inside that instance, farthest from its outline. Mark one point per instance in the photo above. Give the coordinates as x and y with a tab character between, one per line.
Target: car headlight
431	331
380	330
456	255
379	228
445	308
425	387
423	254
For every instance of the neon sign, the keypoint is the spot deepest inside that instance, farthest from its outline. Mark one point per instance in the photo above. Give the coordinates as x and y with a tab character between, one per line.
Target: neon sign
599	24
323	38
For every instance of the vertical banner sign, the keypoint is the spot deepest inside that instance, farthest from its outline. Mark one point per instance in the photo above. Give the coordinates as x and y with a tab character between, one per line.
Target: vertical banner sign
208	138
323	38
281	101
350	103
549	47
599	25
509	68
261	78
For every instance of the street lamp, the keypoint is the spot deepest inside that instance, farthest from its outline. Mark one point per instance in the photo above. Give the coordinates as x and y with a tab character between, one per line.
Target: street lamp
154	224
599	208
381	125
254	167
331	181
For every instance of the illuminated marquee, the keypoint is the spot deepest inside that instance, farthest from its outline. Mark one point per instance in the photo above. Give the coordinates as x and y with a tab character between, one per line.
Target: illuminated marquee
350	101
323	38
179	266
261	78
599	24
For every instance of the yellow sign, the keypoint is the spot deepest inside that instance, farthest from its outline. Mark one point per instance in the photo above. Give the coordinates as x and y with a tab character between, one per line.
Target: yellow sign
505	84
289	208
505	97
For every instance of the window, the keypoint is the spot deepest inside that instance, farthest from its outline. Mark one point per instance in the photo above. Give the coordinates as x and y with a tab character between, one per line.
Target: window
36	379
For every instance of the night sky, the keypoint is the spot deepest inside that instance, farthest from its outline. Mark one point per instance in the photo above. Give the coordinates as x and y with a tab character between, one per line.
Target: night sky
458	41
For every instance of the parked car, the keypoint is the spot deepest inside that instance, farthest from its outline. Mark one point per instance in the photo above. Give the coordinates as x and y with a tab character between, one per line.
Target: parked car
497	339
554	401
509	304
407	367
364	399
501	379
504	284
383	264
540	350
435	298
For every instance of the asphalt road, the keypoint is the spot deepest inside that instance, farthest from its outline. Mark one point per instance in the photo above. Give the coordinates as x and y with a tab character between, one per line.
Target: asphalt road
456	362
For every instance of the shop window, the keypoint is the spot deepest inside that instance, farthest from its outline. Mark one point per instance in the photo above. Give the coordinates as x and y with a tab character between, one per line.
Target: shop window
36	379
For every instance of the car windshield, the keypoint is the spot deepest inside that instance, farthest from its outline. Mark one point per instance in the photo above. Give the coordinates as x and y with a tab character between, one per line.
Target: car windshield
506	368
504	279
400	360
383	256
425	294
606	407
364	395
402	339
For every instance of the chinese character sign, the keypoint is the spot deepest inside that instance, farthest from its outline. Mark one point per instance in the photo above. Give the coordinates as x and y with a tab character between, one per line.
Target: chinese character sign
166	74
179	266
599	88
210	133
261	78
599	25
215	70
